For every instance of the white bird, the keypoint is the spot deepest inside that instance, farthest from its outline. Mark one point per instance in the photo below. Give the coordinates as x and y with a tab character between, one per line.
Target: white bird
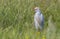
38	19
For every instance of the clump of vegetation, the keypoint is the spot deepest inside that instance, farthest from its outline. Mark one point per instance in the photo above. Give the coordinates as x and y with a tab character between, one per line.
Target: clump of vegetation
16	18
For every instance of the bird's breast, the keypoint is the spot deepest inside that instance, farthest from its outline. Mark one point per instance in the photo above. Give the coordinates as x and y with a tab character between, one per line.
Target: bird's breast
37	19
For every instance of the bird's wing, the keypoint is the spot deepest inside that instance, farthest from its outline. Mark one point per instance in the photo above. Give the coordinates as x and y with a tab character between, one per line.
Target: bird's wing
39	18
42	18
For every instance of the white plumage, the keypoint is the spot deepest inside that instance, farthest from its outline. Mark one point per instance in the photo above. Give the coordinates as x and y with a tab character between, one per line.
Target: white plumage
38	19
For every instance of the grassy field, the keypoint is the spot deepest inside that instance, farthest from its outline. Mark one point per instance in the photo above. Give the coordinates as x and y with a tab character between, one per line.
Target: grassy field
16	19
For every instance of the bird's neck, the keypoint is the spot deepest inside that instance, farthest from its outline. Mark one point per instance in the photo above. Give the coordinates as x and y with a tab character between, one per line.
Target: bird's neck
38	12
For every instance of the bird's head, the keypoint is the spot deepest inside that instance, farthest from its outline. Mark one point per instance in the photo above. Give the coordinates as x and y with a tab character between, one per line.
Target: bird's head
37	9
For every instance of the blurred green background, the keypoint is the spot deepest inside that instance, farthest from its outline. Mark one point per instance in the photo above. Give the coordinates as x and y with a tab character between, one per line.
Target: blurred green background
17	17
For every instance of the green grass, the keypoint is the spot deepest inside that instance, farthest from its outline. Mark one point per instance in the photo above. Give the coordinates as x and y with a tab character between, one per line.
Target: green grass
16	18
